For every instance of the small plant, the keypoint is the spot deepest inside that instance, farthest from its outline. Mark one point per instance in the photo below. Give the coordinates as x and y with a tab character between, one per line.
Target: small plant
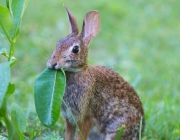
10	20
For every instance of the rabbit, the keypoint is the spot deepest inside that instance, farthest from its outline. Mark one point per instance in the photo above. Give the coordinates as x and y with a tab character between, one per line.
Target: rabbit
97	100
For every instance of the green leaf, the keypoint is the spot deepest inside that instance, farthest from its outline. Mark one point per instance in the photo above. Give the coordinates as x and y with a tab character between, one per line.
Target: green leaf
11	89
6	24
3	50
18	8
18	119
120	132
49	89
3	108
4	80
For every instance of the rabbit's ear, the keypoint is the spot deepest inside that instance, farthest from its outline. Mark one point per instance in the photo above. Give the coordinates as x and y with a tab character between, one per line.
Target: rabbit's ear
91	26
73	26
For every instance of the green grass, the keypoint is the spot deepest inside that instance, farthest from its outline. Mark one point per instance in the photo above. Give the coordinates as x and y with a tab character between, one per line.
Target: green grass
139	39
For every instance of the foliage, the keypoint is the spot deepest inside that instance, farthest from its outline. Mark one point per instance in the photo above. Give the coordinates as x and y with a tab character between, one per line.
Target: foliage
18	119
10	19
49	89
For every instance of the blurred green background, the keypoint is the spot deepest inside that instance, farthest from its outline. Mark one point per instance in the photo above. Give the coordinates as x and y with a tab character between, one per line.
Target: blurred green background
139	39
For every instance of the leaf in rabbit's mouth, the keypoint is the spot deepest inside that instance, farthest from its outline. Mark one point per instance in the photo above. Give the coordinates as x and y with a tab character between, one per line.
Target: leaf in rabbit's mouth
49	89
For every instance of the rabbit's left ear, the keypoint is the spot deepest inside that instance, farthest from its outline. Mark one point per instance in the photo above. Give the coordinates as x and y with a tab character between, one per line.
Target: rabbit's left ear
73	26
91	26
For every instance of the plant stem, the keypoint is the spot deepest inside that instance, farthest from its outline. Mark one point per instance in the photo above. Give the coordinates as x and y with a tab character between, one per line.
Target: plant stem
9	126
11	51
12	133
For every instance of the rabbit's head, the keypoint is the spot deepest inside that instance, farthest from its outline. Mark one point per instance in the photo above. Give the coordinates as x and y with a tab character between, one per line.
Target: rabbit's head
71	51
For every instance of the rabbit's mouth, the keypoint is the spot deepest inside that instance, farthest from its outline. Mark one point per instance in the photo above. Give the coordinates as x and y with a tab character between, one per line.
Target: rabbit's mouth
65	67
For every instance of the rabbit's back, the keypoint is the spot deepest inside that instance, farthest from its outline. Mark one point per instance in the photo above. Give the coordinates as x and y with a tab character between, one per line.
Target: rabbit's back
112	88
114	102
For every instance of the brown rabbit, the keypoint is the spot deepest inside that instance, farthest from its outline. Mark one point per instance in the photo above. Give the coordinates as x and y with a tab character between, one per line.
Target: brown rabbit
96	99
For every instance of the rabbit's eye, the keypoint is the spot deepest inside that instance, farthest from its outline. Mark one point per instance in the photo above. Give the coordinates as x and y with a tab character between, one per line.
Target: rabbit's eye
75	49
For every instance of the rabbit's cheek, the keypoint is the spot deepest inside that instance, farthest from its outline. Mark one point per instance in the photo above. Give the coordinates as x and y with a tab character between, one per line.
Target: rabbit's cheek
66	65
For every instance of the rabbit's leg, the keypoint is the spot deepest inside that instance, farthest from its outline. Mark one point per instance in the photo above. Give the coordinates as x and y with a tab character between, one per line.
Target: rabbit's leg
94	134
124	136
84	127
70	131
130	131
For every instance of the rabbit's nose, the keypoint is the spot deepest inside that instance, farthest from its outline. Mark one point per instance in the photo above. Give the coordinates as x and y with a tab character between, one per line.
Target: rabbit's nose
54	65
51	65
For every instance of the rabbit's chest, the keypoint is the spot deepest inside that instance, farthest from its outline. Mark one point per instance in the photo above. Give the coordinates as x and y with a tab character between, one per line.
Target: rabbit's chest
75	101
77	95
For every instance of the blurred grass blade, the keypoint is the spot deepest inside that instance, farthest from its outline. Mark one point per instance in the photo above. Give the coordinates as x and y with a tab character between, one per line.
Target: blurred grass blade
4	80
120	132
18	8
49	89
18	119
6	24
140	129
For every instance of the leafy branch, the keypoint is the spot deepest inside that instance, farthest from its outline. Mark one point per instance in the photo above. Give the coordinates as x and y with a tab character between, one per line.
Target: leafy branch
10	20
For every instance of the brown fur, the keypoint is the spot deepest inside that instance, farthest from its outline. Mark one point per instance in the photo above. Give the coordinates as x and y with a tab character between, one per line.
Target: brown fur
97	100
